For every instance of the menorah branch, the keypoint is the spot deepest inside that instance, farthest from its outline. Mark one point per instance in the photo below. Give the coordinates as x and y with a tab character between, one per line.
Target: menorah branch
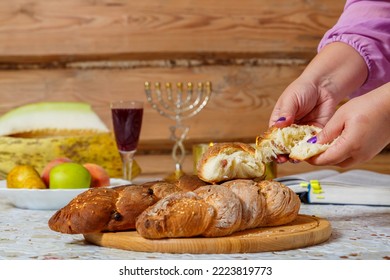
178	104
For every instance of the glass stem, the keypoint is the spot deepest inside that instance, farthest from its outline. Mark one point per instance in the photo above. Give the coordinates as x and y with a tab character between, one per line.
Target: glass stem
127	164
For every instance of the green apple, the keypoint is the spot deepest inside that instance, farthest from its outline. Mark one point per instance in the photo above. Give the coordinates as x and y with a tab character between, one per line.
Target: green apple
69	175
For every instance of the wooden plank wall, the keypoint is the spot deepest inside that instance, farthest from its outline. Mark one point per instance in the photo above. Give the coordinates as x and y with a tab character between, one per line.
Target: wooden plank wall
97	51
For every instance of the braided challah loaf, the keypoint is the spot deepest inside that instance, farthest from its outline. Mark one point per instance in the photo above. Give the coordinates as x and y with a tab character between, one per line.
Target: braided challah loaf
273	204
162	210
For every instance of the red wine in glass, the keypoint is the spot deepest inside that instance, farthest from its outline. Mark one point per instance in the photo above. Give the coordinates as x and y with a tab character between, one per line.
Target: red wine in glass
127	127
127	122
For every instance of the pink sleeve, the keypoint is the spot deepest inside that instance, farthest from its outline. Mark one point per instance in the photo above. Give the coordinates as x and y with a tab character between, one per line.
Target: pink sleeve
365	25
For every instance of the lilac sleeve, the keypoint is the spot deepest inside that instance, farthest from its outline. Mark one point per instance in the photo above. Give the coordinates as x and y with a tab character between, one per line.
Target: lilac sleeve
365	25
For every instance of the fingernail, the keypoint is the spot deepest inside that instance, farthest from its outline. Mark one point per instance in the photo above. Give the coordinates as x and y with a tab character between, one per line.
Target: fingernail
281	119
312	140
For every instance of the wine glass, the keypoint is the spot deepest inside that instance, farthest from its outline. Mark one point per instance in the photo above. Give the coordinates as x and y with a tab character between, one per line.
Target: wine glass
127	122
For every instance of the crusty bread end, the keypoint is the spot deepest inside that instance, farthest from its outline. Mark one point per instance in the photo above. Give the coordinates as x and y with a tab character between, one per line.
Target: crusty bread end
227	161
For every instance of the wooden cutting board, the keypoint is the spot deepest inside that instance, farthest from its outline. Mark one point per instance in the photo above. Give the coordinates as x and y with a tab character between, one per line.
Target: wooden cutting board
304	231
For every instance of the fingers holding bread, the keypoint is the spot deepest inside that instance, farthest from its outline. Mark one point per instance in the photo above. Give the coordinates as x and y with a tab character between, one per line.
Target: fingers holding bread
296	141
227	161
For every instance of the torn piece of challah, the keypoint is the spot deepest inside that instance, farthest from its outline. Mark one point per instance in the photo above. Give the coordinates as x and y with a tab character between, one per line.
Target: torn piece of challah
291	141
227	161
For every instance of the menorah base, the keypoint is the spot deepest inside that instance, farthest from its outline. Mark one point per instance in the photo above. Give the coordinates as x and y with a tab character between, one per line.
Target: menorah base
172	177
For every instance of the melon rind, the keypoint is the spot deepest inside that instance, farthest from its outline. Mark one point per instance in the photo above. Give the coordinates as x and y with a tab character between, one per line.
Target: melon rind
65	116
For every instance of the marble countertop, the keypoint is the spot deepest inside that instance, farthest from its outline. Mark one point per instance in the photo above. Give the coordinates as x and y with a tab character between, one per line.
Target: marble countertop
358	232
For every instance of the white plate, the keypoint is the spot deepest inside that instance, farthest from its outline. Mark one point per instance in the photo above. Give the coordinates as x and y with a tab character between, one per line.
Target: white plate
46	199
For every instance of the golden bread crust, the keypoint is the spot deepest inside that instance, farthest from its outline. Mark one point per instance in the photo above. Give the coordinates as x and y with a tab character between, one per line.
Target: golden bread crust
131	202
282	204
228	210
189	182
252	201
103	209
182	214
161	188
89	212
163	210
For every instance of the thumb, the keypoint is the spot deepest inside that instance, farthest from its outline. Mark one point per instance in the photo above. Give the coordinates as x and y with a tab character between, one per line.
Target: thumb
331	130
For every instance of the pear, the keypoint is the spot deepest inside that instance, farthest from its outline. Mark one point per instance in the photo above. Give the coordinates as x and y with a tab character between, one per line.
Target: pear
24	177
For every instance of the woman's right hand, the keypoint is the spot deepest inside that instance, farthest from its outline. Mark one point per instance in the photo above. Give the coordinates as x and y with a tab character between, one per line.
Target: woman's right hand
312	98
361	127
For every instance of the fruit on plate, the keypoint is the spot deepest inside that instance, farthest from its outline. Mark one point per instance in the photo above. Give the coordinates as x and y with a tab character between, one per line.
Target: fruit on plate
69	175
38	152
37	133
46	170
99	176
24	177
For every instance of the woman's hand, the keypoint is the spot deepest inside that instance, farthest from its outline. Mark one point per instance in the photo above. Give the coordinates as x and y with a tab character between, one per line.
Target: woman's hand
330	77
303	103
362	129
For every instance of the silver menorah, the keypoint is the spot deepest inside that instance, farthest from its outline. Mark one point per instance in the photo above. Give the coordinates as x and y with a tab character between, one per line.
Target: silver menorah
178	104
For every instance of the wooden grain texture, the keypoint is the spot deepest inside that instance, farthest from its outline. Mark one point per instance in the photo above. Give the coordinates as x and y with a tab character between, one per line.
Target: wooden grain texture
60	31
239	108
303	232
96	51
